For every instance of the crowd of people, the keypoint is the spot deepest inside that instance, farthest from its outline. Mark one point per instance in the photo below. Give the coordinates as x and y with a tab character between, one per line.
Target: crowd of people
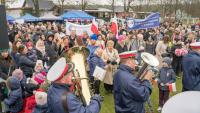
35	47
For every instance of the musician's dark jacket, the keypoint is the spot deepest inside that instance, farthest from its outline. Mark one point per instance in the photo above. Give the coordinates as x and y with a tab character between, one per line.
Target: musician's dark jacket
191	71
55	104
129	92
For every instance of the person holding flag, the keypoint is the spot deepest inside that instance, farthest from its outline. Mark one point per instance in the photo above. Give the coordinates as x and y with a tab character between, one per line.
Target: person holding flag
166	77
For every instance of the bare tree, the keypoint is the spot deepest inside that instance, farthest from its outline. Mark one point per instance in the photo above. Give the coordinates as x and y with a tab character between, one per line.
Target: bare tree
127	4
37	8
61	3
3	2
84	4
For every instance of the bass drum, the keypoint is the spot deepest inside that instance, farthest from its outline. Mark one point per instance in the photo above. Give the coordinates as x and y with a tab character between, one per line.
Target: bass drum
78	56
185	102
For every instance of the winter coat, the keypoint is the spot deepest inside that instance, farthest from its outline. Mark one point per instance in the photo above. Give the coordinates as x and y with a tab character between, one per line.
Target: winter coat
130	93
161	48
111	68
167	75
14	100
51	51
30	104
92	50
95	61
7	66
55	104
121	49
40	56
15	57
40	109
26	65
191	71
32	55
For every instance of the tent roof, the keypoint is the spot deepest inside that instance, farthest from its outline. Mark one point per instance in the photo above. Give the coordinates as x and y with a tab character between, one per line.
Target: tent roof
10	18
29	18
50	17
74	14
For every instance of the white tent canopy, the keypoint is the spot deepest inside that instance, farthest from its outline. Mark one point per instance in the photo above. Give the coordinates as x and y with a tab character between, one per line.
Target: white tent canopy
50	17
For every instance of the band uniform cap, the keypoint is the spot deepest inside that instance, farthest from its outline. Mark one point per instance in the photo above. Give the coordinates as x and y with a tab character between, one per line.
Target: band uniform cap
59	70
127	54
195	45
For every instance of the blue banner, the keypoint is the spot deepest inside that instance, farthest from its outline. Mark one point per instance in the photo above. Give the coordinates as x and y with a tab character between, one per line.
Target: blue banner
152	21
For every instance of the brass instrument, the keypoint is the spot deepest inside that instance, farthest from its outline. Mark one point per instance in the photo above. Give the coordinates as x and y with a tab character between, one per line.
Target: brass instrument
78	55
150	63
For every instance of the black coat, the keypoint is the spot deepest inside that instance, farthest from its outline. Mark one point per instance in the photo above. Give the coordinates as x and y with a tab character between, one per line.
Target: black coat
6	67
26	65
121	49
14	100
51	51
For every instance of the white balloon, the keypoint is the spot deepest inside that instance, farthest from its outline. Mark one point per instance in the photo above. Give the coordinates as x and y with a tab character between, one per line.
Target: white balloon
185	102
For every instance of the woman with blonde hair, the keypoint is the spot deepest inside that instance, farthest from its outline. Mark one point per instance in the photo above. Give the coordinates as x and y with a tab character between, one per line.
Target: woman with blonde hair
40	48
111	57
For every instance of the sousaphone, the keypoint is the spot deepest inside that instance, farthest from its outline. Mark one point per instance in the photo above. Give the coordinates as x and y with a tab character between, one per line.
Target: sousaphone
78	55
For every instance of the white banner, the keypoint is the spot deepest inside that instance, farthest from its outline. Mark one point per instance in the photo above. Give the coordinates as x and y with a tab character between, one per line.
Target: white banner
79	28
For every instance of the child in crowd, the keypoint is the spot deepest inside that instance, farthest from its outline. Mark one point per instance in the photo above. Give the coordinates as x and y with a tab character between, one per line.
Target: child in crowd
41	102
40	74
166	77
14	100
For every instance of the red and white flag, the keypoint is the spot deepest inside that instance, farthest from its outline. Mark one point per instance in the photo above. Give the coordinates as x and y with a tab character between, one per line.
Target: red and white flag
94	27
114	27
172	87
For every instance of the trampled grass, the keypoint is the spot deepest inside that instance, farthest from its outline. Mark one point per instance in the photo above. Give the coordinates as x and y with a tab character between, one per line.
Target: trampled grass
108	104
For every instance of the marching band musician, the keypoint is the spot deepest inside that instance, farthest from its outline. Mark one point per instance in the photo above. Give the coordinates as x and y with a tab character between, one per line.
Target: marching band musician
130	93
191	68
60	99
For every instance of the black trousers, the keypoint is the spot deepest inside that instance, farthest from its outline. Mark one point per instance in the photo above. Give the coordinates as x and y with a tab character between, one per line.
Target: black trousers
108	87
163	97
97	86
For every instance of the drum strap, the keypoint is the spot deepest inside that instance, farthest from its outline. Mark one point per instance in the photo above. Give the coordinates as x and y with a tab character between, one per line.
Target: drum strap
64	101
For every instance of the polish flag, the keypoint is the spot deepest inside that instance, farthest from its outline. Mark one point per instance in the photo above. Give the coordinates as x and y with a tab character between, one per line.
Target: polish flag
172	87
114	27
94	27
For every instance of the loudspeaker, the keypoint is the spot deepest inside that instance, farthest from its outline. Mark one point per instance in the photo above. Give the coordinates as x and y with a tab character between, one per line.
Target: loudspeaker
4	41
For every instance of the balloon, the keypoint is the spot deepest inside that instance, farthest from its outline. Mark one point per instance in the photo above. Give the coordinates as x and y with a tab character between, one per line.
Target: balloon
185	102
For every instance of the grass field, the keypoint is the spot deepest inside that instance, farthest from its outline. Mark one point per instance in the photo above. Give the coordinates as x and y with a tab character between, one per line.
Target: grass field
108	104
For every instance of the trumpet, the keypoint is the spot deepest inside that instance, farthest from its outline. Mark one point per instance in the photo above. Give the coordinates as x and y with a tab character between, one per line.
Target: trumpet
150	63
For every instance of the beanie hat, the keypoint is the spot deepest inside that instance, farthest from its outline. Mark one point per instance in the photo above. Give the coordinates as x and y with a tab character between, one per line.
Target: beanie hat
38	63
18	74
41	98
40	77
94	37
167	60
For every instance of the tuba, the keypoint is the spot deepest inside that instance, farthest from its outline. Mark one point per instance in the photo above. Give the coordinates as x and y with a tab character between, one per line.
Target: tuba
150	63
78	55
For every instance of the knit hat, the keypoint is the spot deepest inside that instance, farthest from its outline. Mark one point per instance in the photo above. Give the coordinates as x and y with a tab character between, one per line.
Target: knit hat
38	63
18	74
40	77
167	60
41	98
94	37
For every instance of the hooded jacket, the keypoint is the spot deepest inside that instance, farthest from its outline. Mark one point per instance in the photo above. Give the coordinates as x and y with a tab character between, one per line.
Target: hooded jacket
14	100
